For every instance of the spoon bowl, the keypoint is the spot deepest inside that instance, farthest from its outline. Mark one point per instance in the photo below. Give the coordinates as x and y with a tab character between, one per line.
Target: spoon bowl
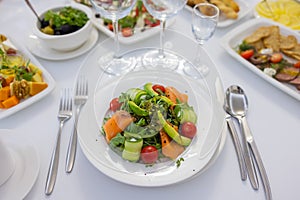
237	101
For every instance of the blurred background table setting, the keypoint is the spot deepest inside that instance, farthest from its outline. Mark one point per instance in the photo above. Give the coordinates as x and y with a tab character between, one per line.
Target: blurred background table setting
163	43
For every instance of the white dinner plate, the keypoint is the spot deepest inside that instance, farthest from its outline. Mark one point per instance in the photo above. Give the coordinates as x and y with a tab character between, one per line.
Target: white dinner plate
245	9
31	100
27	165
209	93
136	37
235	37
36	46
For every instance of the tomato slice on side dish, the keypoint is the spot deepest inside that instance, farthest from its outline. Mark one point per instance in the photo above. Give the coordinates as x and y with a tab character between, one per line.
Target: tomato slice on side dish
297	64
276	57
247	54
126	32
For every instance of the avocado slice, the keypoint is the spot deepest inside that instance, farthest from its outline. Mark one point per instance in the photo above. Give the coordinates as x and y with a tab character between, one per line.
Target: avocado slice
184	141
137	110
148	88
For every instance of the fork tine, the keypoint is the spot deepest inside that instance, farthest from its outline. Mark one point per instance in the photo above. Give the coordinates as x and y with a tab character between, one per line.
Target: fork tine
69	100
86	87
81	86
65	100
61	101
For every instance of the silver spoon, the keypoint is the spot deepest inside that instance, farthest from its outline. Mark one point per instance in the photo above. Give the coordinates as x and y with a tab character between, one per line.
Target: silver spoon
237	107
235	138
32	9
238	104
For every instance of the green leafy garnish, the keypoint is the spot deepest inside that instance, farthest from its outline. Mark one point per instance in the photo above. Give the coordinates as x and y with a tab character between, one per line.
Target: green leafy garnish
66	15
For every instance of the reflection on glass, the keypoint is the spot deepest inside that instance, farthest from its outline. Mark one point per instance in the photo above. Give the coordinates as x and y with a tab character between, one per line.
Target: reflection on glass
204	21
162	10
114	10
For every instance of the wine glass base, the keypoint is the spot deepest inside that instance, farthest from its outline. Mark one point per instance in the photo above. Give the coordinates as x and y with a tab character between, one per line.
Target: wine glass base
195	71
154	59
116	66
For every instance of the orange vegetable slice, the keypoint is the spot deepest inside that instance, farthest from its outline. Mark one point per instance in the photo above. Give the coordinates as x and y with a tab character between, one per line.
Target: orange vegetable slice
36	87
169	147
116	124
4	93
10	102
173	94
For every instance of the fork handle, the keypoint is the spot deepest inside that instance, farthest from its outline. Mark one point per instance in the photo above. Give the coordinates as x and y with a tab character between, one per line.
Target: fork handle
71	153
53	167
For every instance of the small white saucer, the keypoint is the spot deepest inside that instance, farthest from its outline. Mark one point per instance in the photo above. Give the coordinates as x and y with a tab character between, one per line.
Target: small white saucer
27	165
38	49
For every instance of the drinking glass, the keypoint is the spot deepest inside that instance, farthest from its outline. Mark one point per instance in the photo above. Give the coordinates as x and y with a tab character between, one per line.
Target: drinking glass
204	21
162	10
112	62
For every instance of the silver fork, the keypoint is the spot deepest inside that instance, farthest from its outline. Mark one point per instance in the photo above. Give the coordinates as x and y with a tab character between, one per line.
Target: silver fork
80	98
64	114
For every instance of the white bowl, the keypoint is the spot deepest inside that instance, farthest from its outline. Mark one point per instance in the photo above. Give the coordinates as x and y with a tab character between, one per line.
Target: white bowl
67	42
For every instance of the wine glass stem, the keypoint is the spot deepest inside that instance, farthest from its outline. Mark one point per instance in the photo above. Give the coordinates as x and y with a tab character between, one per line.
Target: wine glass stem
116	38
162	35
199	53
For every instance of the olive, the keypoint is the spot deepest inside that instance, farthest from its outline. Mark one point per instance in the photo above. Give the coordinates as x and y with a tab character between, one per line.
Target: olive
44	23
11	51
66	28
97	15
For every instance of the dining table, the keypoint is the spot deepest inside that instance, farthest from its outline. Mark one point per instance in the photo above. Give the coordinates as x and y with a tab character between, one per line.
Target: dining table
273	116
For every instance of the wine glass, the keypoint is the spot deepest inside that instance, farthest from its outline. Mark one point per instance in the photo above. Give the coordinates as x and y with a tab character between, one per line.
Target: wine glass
162	10
204	21
112	62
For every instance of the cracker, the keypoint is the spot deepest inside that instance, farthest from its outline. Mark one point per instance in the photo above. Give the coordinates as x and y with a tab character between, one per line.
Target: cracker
288	42
294	52
258	34
258	45
273	40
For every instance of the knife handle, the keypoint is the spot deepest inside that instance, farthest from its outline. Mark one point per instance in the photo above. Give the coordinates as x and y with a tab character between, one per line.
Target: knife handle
238	148
247	153
262	170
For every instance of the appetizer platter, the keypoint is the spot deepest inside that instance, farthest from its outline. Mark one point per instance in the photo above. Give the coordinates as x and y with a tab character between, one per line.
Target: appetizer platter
269	49
135	27
231	11
23	80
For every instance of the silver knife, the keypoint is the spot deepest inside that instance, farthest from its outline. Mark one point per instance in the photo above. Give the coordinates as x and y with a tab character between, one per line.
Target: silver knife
262	171
238	147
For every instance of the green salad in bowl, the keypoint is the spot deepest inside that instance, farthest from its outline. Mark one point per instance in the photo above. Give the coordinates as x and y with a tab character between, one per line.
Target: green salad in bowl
63	21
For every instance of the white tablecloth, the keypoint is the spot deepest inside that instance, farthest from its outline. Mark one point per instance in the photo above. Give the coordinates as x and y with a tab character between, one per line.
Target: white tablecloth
274	118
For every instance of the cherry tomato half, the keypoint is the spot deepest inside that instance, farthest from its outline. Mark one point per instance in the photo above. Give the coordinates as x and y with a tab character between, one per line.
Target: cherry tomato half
247	54
110	27
149	154
297	64
276	57
151	23
114	104
159	88
188	129
127	32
